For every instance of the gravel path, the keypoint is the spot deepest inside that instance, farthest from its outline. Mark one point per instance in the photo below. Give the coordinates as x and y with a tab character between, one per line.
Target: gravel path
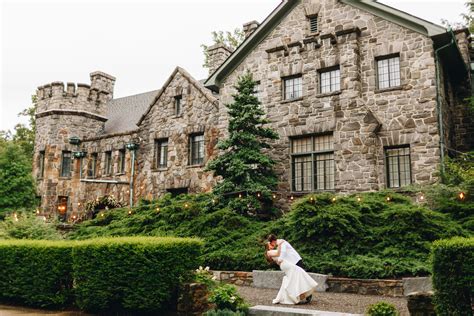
331	302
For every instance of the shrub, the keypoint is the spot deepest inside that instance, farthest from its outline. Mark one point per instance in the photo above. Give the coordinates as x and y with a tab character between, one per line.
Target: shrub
224	312
203	276
225	296
135	273
25	225
382	309
36	273
453	276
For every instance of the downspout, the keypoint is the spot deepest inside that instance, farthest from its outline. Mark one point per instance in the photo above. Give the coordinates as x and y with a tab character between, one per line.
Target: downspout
132	146
132	175
442	144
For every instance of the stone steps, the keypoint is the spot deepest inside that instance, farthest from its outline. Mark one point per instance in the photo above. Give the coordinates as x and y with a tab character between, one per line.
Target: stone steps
262	310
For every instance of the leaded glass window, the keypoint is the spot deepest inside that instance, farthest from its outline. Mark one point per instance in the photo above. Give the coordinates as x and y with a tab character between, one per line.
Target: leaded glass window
398	166
388	71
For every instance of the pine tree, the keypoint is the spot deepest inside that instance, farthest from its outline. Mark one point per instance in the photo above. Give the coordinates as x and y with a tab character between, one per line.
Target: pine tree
247	172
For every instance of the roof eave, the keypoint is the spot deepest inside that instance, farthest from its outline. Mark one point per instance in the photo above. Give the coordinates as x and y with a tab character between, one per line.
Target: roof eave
213	82
397	16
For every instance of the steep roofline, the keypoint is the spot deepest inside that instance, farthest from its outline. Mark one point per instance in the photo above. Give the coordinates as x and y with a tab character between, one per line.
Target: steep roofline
188	77
271	21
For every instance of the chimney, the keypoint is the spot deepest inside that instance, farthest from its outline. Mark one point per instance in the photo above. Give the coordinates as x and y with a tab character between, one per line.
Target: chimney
103	83
250	27
217	54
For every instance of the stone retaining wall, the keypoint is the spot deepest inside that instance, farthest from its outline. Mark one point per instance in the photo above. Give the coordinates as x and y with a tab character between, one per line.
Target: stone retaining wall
234	277
273	279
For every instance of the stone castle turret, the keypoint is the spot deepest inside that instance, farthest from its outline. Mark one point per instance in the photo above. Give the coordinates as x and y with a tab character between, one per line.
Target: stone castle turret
65	115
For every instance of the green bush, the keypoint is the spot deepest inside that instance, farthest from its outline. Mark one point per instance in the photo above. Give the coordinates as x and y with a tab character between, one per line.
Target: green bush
224	312
139	274
453	276
24	225
370	238
382	309
36	273
225	296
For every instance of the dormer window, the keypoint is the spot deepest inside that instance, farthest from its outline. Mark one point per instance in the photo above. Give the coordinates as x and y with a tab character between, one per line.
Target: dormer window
178	105
313	24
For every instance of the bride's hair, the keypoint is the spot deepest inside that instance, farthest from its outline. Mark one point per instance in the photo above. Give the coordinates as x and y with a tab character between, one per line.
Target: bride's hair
267	257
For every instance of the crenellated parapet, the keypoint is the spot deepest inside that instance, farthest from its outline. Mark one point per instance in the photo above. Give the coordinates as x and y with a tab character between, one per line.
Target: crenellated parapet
81	97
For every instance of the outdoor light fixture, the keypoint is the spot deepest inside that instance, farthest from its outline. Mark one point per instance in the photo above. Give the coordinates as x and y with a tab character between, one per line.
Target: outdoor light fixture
79	154
132	145
462	196
74	140
334	199
388	199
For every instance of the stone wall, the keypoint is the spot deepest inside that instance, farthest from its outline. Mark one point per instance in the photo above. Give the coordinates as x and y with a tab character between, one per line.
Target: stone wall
200	111
234	277
362	118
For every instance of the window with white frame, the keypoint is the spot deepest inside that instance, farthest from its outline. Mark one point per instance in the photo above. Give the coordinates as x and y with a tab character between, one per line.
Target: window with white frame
178	107
66	164
161	153
108	163
41	164
398	166
293	88
312	163
121	161
330	80
388	71
196	149
92	165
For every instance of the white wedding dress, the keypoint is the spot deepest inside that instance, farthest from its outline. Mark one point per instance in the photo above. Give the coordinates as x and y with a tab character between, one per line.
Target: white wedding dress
295	282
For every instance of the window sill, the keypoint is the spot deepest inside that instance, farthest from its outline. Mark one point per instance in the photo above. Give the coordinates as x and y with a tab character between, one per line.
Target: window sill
178	116
120	174
329	94
303	193
195	166
397	88
291	100
64	178
159	169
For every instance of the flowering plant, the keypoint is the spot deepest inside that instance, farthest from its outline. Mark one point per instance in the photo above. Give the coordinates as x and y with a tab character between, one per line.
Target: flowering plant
204	276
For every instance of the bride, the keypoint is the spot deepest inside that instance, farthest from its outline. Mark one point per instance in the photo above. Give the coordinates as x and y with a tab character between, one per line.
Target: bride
296	284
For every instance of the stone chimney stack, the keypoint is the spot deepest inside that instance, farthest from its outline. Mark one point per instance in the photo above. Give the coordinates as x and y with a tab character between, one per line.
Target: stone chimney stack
250	27
218	53
103	84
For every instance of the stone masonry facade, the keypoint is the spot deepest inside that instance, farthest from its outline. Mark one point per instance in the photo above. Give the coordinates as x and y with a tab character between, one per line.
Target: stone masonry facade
319	73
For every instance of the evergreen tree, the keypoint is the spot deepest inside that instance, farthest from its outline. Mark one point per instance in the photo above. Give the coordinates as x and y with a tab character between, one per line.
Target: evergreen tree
247	173
17	187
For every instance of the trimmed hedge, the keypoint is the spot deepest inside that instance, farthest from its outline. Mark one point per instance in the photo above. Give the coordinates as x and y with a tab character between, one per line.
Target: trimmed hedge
36	273
131	273
134	273
453	276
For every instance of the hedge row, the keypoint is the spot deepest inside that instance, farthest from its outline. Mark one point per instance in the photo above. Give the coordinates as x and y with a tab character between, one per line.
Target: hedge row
453	276
36	273
132	273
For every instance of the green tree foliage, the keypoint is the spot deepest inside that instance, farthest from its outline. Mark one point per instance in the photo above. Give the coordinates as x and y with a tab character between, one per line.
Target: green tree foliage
17	187
372	238
23	135
23	225
243	165
230	39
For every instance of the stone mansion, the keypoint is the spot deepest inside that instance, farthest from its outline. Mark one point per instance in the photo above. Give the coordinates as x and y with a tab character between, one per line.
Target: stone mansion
363	96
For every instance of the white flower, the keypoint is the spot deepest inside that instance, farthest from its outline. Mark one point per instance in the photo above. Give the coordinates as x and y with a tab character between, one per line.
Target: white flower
207	269
214	278
200	267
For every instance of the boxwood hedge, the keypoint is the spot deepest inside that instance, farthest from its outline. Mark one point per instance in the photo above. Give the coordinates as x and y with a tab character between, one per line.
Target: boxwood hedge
131	273
453	276
36	273
106	274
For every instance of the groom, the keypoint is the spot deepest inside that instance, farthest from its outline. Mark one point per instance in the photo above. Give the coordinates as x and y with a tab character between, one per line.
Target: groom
287	253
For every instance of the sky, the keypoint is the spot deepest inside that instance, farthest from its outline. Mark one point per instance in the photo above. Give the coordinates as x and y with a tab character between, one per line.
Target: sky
139	42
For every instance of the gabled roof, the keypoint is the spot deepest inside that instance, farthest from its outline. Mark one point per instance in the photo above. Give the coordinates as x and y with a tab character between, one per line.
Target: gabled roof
198	85
383	11
124	113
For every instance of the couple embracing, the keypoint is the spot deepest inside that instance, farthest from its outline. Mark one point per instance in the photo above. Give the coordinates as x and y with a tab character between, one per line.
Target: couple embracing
297	286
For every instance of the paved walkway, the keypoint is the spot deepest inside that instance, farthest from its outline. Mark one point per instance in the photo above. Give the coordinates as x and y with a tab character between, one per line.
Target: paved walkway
325	301
22	311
